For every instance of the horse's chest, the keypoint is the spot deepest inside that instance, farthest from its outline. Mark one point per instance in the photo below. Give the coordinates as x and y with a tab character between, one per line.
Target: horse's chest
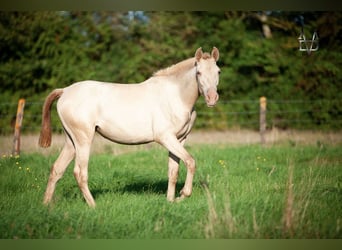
176	119
184	124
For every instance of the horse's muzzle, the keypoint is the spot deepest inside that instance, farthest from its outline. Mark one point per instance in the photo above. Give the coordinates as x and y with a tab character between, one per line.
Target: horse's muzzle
211	97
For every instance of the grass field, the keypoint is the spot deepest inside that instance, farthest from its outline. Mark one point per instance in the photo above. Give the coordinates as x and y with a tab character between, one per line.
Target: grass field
240	191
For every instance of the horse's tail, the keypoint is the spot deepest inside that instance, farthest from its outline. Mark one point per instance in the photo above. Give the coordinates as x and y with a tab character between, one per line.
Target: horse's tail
45	132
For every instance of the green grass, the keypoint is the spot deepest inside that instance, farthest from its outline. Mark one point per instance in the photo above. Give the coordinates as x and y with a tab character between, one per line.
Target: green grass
286	191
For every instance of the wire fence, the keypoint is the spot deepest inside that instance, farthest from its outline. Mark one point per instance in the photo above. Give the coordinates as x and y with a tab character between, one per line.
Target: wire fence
313	114
298	114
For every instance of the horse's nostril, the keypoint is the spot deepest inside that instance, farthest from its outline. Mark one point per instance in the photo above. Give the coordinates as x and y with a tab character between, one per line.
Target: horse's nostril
211	97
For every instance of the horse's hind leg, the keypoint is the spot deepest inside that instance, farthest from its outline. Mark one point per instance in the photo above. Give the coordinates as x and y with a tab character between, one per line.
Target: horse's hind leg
81	169
58	168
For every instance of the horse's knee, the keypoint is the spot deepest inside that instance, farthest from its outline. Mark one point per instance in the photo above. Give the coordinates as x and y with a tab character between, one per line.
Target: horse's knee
191	165
55	173
77	173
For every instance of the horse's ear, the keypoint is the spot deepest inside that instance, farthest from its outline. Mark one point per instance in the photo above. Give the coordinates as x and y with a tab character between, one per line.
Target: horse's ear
215	53
198	54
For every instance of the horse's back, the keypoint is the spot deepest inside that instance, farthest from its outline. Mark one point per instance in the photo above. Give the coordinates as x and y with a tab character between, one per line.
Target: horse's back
80	98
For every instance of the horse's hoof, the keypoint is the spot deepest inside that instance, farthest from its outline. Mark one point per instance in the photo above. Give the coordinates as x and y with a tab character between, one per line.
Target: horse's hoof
179	199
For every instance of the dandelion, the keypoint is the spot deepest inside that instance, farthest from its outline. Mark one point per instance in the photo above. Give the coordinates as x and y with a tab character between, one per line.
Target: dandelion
28	169
20	167
17	163
222	163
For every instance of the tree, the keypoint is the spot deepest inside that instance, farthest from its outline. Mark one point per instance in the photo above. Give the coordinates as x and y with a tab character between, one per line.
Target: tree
44	50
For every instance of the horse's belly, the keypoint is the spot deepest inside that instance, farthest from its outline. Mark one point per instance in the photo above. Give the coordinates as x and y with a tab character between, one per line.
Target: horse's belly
126	133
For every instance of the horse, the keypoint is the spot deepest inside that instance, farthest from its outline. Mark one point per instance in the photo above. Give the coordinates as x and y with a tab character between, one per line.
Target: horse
159	109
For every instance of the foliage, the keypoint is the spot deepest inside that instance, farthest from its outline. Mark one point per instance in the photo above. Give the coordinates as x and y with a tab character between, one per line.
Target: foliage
239	192
45	50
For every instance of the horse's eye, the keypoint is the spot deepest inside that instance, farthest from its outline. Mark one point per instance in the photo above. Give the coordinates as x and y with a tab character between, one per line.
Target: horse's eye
198	73
219	72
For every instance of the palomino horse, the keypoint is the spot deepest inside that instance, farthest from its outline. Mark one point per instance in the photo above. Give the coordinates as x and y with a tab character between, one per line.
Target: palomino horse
160	109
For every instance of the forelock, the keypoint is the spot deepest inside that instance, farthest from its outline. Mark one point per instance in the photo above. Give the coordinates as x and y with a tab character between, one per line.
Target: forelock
206	55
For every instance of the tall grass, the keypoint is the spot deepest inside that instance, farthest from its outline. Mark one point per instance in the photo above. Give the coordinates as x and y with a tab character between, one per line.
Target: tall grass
284	191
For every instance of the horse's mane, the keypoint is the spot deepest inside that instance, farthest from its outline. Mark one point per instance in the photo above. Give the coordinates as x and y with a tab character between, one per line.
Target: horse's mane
184	65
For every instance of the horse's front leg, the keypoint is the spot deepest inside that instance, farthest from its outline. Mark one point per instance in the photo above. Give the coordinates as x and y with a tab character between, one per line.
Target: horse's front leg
173	175
190	163
187	189
177	151
174	166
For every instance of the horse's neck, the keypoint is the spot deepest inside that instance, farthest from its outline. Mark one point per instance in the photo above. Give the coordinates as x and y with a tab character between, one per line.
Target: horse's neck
188	88
183	74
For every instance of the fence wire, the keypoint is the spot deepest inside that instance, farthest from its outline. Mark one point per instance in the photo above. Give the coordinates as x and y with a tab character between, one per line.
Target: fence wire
286	113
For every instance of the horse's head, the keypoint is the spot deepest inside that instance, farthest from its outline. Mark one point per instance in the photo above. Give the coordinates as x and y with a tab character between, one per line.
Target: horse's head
207	75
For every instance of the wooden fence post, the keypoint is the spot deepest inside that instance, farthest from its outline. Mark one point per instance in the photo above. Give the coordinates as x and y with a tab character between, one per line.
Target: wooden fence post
17	128
262	126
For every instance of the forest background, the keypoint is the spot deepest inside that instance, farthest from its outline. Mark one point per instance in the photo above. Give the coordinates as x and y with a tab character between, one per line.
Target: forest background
259	56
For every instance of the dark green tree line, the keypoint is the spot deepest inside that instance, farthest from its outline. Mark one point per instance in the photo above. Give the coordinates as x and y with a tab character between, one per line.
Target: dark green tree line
44	50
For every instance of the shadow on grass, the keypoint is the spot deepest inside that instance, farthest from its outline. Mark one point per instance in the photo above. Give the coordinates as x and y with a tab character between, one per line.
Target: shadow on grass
140	187
135	187
159	187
